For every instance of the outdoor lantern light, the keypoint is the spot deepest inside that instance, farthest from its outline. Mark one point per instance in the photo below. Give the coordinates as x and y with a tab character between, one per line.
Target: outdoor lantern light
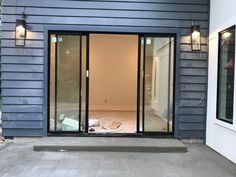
20	33
195	37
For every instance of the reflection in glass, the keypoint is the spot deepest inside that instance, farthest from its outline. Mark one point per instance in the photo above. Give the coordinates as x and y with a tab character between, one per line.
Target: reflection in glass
159	56
226	75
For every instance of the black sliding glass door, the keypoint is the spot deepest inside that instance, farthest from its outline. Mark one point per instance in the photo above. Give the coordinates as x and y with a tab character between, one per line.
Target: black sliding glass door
67	82
69	78
156	84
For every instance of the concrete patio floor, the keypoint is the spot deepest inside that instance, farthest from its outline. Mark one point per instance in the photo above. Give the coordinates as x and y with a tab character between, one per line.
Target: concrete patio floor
19	159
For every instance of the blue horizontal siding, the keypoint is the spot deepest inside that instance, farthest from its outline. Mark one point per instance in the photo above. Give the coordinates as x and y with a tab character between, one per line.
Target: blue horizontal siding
23	68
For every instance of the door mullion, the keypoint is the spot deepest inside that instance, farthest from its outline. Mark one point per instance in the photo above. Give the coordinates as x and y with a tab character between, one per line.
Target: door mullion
56	67
80	81
87	85
138	85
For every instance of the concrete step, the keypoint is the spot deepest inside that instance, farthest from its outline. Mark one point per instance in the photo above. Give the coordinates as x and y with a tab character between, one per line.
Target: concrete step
109	144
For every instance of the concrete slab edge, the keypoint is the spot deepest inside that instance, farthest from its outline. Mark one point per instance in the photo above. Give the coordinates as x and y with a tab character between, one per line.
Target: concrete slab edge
111	149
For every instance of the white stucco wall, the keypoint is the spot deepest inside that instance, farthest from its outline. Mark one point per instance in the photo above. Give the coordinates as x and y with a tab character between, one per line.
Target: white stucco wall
220	136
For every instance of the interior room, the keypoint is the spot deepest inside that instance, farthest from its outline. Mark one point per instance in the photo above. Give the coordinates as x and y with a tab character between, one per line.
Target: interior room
113	83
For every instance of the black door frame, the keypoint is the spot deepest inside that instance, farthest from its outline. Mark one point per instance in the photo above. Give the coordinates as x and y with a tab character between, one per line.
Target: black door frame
139	133
162	35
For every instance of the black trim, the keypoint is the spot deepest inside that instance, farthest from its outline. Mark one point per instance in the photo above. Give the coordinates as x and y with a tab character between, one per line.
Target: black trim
169	78
48	82
138	87
143	76
174	83
138	83
80	82
87	86
218	75
122	135
55	96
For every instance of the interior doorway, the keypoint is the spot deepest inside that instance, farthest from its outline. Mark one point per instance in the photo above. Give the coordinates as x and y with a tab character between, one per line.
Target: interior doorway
111	83
113	60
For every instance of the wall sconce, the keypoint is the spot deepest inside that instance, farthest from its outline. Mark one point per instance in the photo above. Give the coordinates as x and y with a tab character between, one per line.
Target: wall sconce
20	33
195	38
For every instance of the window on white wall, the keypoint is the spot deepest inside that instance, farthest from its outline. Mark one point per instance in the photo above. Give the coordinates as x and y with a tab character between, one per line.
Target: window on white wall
226	63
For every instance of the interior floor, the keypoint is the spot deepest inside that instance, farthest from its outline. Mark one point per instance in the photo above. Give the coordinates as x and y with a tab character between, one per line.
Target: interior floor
113	121
125	122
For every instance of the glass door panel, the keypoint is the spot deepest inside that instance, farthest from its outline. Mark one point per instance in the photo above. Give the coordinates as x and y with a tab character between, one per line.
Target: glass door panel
65	82
158	79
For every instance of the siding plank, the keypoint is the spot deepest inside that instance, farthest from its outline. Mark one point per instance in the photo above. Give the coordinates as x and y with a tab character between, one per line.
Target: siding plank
192	102
22	108
191	110
199	134
23	124
22	76
22	51
193	79
22	132
193	72
28	44
193	95
22	92
192	118
22	68
22	100
22	84
30	35
21	60
192	126
193	63
23	116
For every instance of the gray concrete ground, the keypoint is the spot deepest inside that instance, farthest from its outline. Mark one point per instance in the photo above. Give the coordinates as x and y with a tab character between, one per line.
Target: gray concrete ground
19	160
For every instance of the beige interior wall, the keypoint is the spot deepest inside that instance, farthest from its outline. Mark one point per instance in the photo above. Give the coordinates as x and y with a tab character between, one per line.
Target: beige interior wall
113	72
